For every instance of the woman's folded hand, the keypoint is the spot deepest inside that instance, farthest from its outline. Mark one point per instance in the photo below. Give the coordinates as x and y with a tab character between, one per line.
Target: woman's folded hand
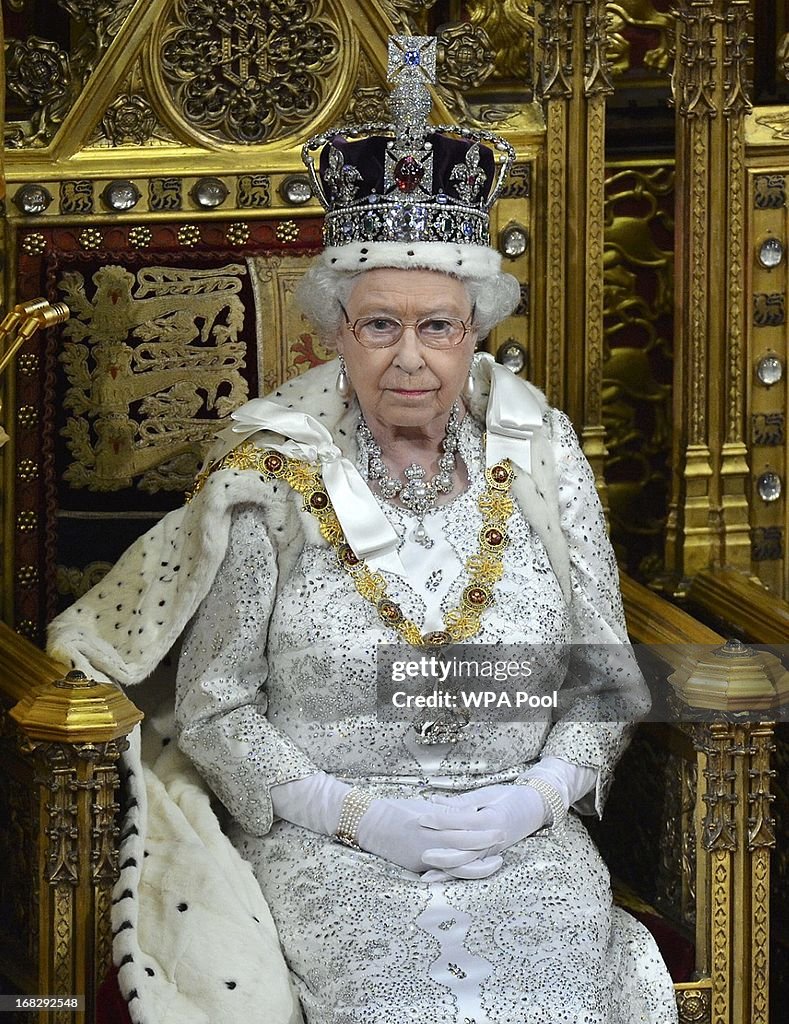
418	834
511	810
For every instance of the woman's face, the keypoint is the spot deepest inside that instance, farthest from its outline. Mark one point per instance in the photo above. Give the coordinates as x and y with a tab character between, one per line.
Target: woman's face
407	384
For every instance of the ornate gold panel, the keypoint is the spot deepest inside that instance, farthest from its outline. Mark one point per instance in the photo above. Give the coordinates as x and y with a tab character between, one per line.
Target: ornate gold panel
183	319
639	41
767	337
638	365
274	279
780	865
509	25
233	72
44	77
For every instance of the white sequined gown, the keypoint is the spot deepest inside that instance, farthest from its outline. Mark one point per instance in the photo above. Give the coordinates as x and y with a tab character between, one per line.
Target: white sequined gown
277	681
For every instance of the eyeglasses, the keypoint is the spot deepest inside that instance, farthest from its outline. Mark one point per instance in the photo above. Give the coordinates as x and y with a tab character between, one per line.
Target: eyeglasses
433	331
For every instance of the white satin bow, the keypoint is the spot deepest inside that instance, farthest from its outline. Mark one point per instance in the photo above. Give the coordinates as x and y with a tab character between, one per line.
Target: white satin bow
512	419
300	436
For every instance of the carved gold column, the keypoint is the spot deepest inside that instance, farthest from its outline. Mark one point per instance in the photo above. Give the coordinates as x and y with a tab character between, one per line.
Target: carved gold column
574	82
737	836
71	733
735	829
708	520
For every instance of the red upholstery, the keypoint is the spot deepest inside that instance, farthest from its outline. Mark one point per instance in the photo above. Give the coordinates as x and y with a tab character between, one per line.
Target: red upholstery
110	1004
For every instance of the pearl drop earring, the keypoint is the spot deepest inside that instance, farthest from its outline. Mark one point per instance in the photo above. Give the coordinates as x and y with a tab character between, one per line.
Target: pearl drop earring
343	382
468	388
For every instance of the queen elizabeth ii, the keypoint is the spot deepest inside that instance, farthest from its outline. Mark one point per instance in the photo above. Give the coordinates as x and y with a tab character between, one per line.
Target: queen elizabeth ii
431	869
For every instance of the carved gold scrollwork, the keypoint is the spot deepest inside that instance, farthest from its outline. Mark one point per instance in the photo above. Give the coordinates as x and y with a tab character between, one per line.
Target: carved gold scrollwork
102	22
464	56
769	191
509	25
737	42
597	72
48	79
39	72
638	306
639	14
63	927
66	770
716	741
129	119
779	869
370	97
244	71
104	830
761	839
133	341
556	43
694	1006
557	142
689	788
62	831
695	76
721	877
669	891
408	16
594	304
777	121
760	948
761	824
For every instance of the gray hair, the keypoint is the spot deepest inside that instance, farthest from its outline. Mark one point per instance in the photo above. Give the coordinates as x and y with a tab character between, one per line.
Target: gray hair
322	289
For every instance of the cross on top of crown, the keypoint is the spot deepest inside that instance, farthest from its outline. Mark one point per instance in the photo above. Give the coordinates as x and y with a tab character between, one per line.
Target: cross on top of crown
411	57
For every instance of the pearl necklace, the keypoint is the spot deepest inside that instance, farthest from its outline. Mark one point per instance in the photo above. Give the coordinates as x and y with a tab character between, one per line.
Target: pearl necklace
417	493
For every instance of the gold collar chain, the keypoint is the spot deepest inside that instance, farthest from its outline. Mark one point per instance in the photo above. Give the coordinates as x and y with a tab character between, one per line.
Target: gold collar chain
484	568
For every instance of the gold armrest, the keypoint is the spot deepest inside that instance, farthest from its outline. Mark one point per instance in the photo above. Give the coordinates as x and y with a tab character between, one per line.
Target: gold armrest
653	620
738	600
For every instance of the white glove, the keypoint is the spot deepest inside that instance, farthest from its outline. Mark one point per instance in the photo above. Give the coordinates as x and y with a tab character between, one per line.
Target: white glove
407	831
519	811
514	811
572	781
416	834
313	802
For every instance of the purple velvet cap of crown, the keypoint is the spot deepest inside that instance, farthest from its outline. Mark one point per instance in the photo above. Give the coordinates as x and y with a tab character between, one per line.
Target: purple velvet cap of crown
437	194
367	156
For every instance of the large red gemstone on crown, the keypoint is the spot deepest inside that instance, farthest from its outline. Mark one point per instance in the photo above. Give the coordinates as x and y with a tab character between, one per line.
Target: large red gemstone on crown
408	173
